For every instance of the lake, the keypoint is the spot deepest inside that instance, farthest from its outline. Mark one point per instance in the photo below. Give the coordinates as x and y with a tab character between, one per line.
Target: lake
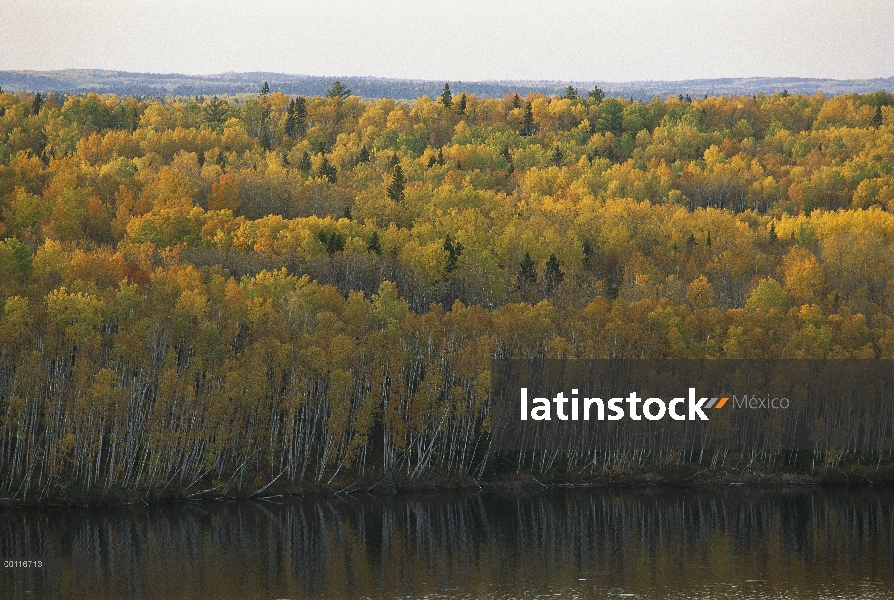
616	543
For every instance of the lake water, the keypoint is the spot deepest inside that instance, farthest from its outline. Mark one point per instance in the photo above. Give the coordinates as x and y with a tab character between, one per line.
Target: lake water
630	543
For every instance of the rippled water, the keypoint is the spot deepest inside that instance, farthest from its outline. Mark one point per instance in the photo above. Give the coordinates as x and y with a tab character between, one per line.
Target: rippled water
655	543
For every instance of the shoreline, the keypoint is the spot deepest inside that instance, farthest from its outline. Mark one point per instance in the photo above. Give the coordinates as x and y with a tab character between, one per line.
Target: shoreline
701	480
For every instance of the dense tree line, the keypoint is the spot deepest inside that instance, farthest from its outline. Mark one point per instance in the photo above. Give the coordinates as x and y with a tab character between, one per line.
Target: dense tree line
273	287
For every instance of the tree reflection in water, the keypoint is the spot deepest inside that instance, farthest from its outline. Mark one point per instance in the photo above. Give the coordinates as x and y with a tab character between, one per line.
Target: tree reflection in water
648	542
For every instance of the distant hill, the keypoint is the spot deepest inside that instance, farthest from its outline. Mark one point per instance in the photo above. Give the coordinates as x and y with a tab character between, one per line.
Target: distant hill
78	81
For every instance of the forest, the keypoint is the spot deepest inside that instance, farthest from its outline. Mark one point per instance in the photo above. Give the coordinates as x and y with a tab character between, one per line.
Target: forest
244	294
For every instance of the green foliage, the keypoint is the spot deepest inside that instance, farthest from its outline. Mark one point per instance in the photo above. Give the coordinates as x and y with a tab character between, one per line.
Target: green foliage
338	91
528	127
446	97
327	171
554	273
596	94
36	104
398	183
768	295
527	271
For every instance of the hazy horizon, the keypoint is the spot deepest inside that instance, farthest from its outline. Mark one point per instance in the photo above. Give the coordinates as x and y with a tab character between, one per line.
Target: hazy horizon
570	40
441	81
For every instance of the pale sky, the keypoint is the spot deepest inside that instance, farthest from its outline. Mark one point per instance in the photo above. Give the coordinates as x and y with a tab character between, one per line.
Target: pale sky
566	40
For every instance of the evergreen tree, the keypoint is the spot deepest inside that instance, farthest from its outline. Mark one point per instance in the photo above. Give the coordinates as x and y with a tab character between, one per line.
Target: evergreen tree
334	241
216	111
290	119
454	251
304	163
432	161
363	155
526	271
596	95
441	156
557	156
571	93
528	123
554	274
446	96
505	154
876	118
516	101
587	250
37	104
338	90
771	237
708	240
395	189
300	115
327	171
374	245
462	104
264	135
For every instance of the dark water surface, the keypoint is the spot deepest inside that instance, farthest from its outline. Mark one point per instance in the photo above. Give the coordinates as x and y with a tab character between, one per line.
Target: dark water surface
654	543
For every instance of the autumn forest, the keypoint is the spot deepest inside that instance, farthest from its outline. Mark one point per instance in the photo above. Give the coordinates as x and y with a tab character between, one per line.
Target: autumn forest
238	295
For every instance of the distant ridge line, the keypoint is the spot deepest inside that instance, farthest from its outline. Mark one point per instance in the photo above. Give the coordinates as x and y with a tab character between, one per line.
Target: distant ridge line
81	81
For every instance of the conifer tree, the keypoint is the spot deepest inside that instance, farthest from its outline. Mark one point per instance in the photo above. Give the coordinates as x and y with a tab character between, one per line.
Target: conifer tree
557	156
290	119
462	104
265	90
398	182
527	271
446	96
37	104
528	123
374	245
454	251
216	111
554	274
327	171
505	153
363	155
338	90
596	94
300	115
876	118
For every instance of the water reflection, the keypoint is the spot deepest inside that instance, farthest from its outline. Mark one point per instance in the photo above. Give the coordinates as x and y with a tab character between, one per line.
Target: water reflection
656	543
